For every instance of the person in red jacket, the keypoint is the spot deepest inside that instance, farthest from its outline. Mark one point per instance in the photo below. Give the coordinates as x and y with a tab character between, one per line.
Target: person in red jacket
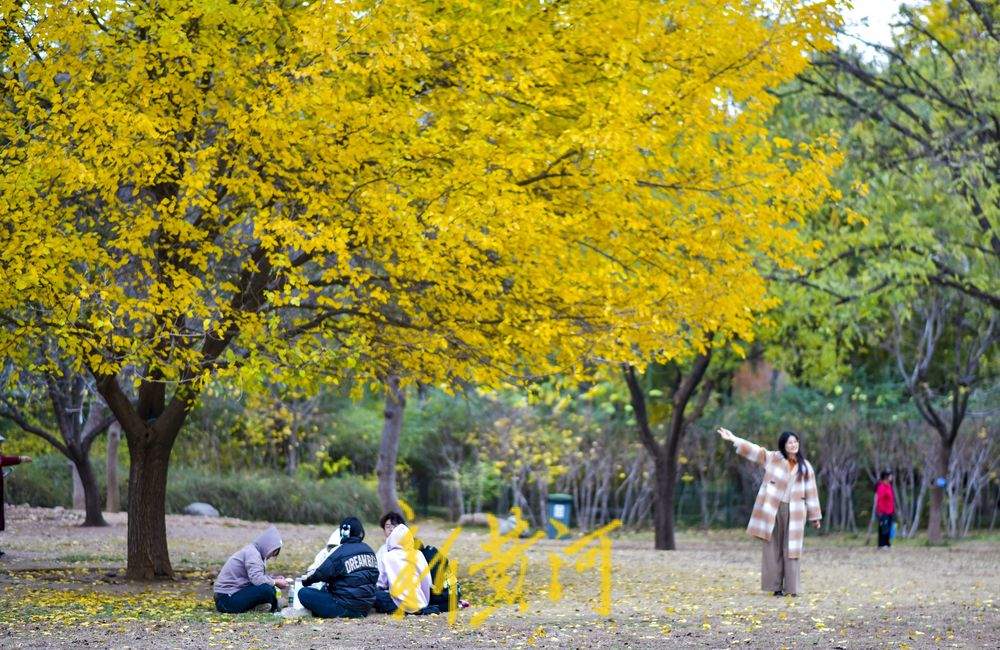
885	508
4	462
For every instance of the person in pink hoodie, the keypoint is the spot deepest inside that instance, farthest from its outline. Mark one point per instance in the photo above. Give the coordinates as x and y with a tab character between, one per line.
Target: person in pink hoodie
403	579
242	583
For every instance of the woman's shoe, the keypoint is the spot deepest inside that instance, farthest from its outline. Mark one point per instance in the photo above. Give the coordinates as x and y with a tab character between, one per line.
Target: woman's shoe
779	593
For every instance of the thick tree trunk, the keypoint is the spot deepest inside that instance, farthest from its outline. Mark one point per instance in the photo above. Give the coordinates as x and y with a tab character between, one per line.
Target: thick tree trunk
665	470
78	500
934	534
392	426
83	471
148	557
113	503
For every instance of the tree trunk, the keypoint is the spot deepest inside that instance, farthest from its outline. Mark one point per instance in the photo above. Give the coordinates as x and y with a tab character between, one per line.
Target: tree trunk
79	502
84	473
456	499
934	535
292	458
665	471
706	517
665	456
392	426
148	557
113	503
918	507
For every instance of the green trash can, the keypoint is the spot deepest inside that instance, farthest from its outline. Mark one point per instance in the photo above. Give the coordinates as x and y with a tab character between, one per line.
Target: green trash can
560	508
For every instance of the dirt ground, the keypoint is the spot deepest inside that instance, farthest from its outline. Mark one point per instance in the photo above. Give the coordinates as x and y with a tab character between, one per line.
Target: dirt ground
61	586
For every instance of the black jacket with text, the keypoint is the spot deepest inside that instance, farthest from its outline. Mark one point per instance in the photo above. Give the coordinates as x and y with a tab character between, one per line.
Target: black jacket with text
350	574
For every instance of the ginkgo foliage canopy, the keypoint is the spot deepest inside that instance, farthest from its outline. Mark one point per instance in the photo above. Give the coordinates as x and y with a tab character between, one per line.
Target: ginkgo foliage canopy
440	190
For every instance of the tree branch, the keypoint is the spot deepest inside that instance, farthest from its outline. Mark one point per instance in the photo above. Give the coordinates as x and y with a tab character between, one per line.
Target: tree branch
14	415
638	399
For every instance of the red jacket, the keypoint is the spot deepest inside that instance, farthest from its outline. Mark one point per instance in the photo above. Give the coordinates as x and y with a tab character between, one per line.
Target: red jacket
885	501
5	461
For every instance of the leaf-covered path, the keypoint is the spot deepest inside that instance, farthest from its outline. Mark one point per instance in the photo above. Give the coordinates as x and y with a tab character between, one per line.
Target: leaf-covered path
62	586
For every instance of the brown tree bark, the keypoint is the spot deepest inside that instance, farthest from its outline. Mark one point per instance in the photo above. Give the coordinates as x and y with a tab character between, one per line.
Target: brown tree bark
665	476
113	503
151	427
935	532
148	555
78	500
392	427
91	494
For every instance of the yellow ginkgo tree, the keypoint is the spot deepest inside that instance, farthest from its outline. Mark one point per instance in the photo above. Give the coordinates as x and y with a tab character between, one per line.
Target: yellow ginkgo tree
439	191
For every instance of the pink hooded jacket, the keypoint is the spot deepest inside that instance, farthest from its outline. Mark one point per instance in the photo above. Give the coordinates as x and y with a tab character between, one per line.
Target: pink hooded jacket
246	566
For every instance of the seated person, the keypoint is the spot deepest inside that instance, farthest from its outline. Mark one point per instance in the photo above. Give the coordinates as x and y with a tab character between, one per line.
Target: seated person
349	574
389	521
403	580
325	552
441	592
243	584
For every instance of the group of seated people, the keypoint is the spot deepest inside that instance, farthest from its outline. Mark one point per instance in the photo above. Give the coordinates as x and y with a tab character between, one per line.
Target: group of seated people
347	579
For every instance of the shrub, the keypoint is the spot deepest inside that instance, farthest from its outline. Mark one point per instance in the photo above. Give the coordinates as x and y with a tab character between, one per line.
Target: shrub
273	497
45	483
256	496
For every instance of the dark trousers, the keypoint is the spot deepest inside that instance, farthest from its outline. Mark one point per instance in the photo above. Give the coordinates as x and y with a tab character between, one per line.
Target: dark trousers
884	528
384	604
246	599
322	604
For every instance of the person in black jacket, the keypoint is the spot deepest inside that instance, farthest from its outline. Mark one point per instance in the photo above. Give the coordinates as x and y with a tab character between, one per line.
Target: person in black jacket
350	574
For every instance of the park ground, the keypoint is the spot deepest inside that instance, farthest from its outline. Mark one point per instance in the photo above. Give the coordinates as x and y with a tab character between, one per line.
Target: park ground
62	586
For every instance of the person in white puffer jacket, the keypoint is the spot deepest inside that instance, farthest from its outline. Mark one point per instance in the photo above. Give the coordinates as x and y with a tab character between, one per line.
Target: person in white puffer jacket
325	552
403	579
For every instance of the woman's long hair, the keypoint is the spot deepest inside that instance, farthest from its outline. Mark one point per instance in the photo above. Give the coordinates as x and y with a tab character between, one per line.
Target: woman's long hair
800	458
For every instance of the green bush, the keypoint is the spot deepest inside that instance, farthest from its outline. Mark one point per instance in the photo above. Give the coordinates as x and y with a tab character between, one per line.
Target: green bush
273	497
45	483
269	497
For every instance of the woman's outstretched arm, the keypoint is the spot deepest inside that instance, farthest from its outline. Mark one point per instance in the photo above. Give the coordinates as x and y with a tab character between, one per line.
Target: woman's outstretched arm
744	448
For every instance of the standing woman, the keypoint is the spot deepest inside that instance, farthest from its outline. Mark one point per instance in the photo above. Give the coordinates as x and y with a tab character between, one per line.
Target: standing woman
786	499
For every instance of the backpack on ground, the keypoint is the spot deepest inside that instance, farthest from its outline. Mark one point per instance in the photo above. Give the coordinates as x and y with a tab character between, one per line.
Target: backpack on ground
441	589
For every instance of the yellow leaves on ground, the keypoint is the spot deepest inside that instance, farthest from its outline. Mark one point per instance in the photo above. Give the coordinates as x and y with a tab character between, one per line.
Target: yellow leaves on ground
79	606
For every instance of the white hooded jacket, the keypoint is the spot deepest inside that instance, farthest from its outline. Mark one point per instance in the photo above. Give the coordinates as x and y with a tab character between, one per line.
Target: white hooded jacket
325	552
399	568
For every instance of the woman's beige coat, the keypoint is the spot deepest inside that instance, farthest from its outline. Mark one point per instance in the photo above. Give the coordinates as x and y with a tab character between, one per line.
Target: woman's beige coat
804	502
